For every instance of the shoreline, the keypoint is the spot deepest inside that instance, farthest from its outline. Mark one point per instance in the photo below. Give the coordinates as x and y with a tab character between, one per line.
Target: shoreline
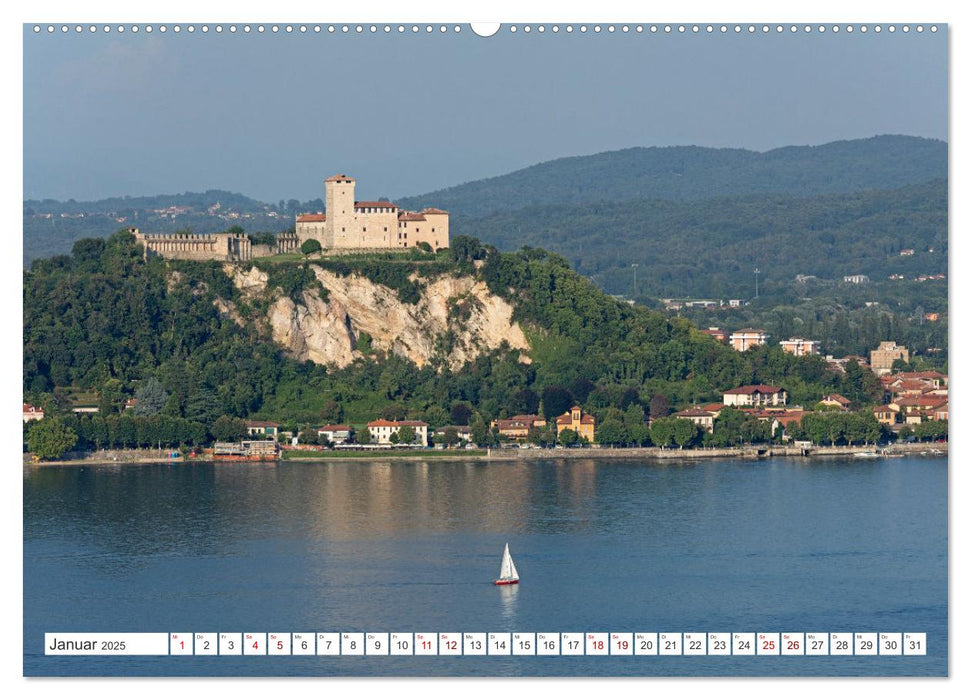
131	457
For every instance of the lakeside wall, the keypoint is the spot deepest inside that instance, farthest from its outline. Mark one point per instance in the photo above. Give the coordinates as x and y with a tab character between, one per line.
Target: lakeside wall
516	454
748	452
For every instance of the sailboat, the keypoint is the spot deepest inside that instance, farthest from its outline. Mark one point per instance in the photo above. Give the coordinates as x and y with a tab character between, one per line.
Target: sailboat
507	570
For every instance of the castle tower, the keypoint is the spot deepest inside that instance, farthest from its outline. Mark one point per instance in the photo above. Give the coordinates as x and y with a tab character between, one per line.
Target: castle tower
339	199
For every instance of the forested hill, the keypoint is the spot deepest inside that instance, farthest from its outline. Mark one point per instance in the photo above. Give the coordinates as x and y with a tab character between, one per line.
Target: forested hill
709	247
690	172
102	322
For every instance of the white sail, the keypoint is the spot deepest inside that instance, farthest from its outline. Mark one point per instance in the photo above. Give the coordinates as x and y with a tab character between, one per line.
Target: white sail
507	570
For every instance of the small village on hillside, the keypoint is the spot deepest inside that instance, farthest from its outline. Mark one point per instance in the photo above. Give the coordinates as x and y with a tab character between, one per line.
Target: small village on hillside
914	407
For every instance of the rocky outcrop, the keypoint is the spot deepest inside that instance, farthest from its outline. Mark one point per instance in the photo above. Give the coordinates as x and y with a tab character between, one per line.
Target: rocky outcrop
252	281
456	319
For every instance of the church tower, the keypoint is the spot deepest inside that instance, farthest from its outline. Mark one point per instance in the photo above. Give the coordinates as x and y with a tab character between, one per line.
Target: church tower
339	200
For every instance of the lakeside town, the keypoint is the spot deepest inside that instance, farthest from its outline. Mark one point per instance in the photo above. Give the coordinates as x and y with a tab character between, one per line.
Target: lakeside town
81	410
914	408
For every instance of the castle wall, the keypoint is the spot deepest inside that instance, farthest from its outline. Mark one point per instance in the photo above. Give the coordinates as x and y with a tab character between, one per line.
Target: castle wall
378	229
316	230
286	243
195	246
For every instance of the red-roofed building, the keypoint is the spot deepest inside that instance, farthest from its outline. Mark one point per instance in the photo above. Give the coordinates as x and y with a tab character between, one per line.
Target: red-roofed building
783	417
583	424
755	395
32	412
929	376
381	430
518	427
700	417
911	387
374	207
888	415
836	400
350	224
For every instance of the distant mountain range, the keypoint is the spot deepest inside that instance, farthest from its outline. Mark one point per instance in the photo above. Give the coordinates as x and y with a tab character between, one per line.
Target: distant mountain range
710	247
690	172
692	218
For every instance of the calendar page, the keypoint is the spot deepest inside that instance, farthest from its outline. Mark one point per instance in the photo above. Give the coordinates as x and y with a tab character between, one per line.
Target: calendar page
519	349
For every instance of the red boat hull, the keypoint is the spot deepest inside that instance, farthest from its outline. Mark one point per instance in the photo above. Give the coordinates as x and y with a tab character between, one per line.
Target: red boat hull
506	583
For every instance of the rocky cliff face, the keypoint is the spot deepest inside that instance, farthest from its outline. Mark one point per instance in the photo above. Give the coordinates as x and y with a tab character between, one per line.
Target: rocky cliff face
457	319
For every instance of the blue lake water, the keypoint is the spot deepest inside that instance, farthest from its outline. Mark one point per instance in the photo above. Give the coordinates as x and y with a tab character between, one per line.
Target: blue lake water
781	545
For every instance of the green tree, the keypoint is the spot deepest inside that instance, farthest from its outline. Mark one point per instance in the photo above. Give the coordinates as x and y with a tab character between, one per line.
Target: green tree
451	436
481	435
49	438
110	397
660	406
685	432
931	430
525	401
310	246
662	431
203	406
394	411
569	437
612	432
150	398
436	416
406	435
460	413
228	429
331	411
127	432
466	248
556	401
543	437
860	385
635	426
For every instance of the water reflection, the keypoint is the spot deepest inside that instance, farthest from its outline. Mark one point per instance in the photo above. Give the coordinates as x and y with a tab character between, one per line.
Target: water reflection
508	597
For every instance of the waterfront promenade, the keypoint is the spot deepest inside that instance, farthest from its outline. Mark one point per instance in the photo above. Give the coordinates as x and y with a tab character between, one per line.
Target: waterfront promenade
515	454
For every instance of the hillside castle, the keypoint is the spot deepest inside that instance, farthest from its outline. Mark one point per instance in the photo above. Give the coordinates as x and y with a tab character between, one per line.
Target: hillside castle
353	225
348	225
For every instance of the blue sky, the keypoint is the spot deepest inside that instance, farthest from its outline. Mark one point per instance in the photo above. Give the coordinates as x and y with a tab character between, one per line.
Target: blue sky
272	115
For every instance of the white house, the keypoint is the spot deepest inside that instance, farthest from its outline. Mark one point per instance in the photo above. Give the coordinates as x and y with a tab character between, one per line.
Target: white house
381	430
